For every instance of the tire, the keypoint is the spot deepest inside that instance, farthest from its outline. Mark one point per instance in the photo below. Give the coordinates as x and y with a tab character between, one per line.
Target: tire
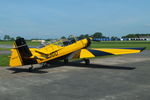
87	61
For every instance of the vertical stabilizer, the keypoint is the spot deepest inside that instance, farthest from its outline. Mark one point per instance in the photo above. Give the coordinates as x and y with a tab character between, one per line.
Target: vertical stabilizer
21	54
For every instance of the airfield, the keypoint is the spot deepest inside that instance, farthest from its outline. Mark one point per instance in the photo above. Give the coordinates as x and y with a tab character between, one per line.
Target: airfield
125	77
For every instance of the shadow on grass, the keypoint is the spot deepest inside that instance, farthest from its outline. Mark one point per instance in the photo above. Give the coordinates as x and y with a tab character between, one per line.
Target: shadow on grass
71	64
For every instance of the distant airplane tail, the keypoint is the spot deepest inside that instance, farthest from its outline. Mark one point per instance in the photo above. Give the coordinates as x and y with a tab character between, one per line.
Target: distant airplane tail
20	54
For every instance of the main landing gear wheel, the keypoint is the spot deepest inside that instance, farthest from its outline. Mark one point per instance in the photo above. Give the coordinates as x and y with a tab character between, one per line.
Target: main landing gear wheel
87	61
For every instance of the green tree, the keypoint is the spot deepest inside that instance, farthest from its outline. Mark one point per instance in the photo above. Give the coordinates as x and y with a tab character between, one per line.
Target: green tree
6	37
63	37
97	35
86	35
114	38
12	39
18	37
81	37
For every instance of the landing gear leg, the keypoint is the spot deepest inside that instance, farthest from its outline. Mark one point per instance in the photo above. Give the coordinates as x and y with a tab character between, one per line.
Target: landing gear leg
44	64
87	61
30	68
66	61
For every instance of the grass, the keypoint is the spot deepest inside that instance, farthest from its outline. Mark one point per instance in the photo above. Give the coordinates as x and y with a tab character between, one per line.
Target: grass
11	43
4	60
3	49
33	43
120	44
6	42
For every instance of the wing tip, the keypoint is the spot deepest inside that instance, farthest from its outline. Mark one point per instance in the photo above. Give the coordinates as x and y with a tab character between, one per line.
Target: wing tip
143	48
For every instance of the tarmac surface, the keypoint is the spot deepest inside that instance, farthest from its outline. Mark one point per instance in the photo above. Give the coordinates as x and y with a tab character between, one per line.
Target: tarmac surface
125	77
5	46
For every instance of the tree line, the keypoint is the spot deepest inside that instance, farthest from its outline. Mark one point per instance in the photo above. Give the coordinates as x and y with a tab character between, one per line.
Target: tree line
95	35
136	35
82	36
100	35
7	37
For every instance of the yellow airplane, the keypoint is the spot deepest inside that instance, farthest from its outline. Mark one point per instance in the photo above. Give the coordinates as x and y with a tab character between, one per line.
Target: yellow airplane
23	55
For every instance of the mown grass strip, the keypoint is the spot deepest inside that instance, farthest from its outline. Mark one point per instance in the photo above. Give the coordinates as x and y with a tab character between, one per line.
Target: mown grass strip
3	49
11	43
114	44
4	60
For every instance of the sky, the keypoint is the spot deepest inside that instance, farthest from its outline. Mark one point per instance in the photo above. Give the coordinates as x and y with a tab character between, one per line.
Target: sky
57	18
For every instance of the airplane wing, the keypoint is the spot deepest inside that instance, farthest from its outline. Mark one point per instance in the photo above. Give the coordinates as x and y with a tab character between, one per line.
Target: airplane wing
89	53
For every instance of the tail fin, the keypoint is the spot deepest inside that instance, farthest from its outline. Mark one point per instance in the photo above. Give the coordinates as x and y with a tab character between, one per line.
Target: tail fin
21	54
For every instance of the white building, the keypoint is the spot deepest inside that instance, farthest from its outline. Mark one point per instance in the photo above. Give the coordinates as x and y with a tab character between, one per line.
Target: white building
141	38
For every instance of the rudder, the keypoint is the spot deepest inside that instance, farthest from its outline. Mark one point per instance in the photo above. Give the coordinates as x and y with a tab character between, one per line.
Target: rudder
21	54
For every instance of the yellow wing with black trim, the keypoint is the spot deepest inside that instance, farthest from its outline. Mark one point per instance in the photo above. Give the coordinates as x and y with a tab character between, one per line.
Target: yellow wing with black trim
89	53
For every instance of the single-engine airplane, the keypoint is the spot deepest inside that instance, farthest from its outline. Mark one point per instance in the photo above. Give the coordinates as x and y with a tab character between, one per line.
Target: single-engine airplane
23	55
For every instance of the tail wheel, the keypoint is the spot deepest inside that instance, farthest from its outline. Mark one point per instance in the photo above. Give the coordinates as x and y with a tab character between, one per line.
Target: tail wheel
87	61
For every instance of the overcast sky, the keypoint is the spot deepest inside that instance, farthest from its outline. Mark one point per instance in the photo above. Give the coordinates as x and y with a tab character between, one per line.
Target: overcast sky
56	18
